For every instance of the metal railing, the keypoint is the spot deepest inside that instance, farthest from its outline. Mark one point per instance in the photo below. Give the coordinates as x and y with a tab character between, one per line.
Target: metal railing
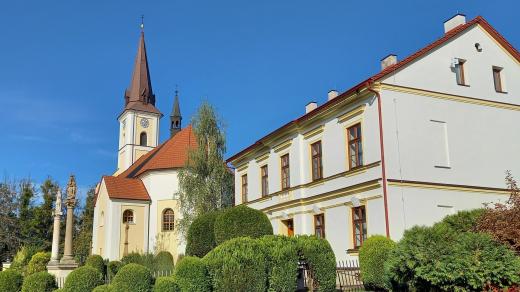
347	277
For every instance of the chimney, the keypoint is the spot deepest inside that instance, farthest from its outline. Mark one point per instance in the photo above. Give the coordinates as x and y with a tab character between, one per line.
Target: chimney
310	107
332	94
458	19
388	61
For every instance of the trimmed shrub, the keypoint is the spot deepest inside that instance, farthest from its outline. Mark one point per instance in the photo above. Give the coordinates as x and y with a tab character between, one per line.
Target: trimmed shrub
237	265
96	261
163	261
112	268
201	238
192	275
281	254
463	221
241	221
372	256
103	288
319	256
39	282
22	258
166	284
133	277
11	280
131	258
83	279
38	262
438	258
147	260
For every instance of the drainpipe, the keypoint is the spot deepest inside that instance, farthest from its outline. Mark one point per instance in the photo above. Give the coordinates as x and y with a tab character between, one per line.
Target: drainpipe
382	149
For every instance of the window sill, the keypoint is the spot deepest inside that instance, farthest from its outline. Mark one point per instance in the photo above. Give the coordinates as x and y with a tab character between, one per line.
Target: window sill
353	251
465	85
502	92
442	167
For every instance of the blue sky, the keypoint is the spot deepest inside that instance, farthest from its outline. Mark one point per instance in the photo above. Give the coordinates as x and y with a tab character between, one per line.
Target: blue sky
65	65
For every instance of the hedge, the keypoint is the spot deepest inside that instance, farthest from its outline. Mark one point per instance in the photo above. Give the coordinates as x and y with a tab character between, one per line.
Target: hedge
463	221
83	279
241	221
163	261
131	258
372	256
103	288
192	275
39	282
96	261
112	268
281	254
38	262
11	280
133	277
22	258
201	238
319	256
437	257
166	284
237	265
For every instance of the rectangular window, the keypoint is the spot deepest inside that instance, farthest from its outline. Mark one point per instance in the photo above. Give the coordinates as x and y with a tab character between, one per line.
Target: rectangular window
459	71
244	188
265	180
285	172
316	161
289	225
498	79
319	225
355	149
359	225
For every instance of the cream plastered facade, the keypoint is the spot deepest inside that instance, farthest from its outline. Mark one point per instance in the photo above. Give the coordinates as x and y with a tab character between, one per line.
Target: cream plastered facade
446	148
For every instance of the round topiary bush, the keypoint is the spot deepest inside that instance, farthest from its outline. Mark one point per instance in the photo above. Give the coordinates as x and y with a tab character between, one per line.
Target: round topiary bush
201	238
163	262
39	282
166	284
112	268
133	277
96	261
83	279
241	221
22	258
11	280
131	258
372	256
319	256
237	265
282	258
192	275
463	221
103	288
38	262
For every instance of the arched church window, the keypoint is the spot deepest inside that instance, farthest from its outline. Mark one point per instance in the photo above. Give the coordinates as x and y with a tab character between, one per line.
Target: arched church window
143	139
168	220
128	216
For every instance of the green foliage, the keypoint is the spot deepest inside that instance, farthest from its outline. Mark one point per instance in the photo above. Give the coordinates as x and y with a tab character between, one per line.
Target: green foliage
11	280
372	256
163	261
10	238
166	284
38	262
320	257
201	238
192	275
83	239
83	279
463	221
22	258
281	254
440	258
103	288
96	261
112	268
237	265
147	260
39	282
43	220
131	258
241	221
205	183
133	277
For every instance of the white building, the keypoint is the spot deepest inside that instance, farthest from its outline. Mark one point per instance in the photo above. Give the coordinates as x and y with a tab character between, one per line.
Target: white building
426	137
135	208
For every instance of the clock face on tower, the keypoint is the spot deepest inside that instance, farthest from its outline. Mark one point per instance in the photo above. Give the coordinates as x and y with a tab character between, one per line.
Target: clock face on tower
144	123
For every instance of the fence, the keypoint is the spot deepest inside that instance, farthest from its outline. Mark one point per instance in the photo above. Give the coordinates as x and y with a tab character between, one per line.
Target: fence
60	281
347	277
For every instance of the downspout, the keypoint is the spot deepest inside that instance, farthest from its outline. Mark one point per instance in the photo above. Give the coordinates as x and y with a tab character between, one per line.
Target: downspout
382	150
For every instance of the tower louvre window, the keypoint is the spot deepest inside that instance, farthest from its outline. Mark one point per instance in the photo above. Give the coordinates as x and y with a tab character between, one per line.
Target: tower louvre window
143	139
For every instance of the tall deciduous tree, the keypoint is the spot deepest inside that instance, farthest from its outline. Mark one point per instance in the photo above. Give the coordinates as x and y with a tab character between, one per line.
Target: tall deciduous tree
43	215
83	239
206	183
10	238
26	220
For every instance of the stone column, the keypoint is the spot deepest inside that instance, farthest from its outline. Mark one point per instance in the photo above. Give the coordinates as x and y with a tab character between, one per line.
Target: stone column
56	230
70	203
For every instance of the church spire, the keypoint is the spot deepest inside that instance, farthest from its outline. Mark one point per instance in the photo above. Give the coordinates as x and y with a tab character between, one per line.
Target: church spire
175	116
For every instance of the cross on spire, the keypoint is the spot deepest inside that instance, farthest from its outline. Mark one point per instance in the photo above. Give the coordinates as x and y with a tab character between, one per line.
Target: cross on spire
142	22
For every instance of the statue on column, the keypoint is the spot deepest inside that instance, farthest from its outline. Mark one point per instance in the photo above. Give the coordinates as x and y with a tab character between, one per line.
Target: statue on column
70	202
56	230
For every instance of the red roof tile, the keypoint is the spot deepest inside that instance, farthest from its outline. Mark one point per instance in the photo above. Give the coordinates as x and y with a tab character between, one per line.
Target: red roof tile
126	188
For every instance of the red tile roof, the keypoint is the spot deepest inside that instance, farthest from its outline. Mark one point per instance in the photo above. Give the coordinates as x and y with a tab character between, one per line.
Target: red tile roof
448	36
126	188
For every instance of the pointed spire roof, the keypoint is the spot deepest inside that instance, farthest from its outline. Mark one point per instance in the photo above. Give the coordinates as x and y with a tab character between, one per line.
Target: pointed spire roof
139	95
176	111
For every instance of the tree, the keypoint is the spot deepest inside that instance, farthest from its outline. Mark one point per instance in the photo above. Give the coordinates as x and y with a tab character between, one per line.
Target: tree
83	239
43	215
10	238
502	221
26	220
206	183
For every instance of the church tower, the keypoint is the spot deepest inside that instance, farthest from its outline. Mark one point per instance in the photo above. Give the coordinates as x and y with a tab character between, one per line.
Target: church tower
175	116
139	121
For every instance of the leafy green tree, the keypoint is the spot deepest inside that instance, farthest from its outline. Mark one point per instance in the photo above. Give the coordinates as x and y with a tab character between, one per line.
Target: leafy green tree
206	183
27	223
10	238
43	215
83	239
